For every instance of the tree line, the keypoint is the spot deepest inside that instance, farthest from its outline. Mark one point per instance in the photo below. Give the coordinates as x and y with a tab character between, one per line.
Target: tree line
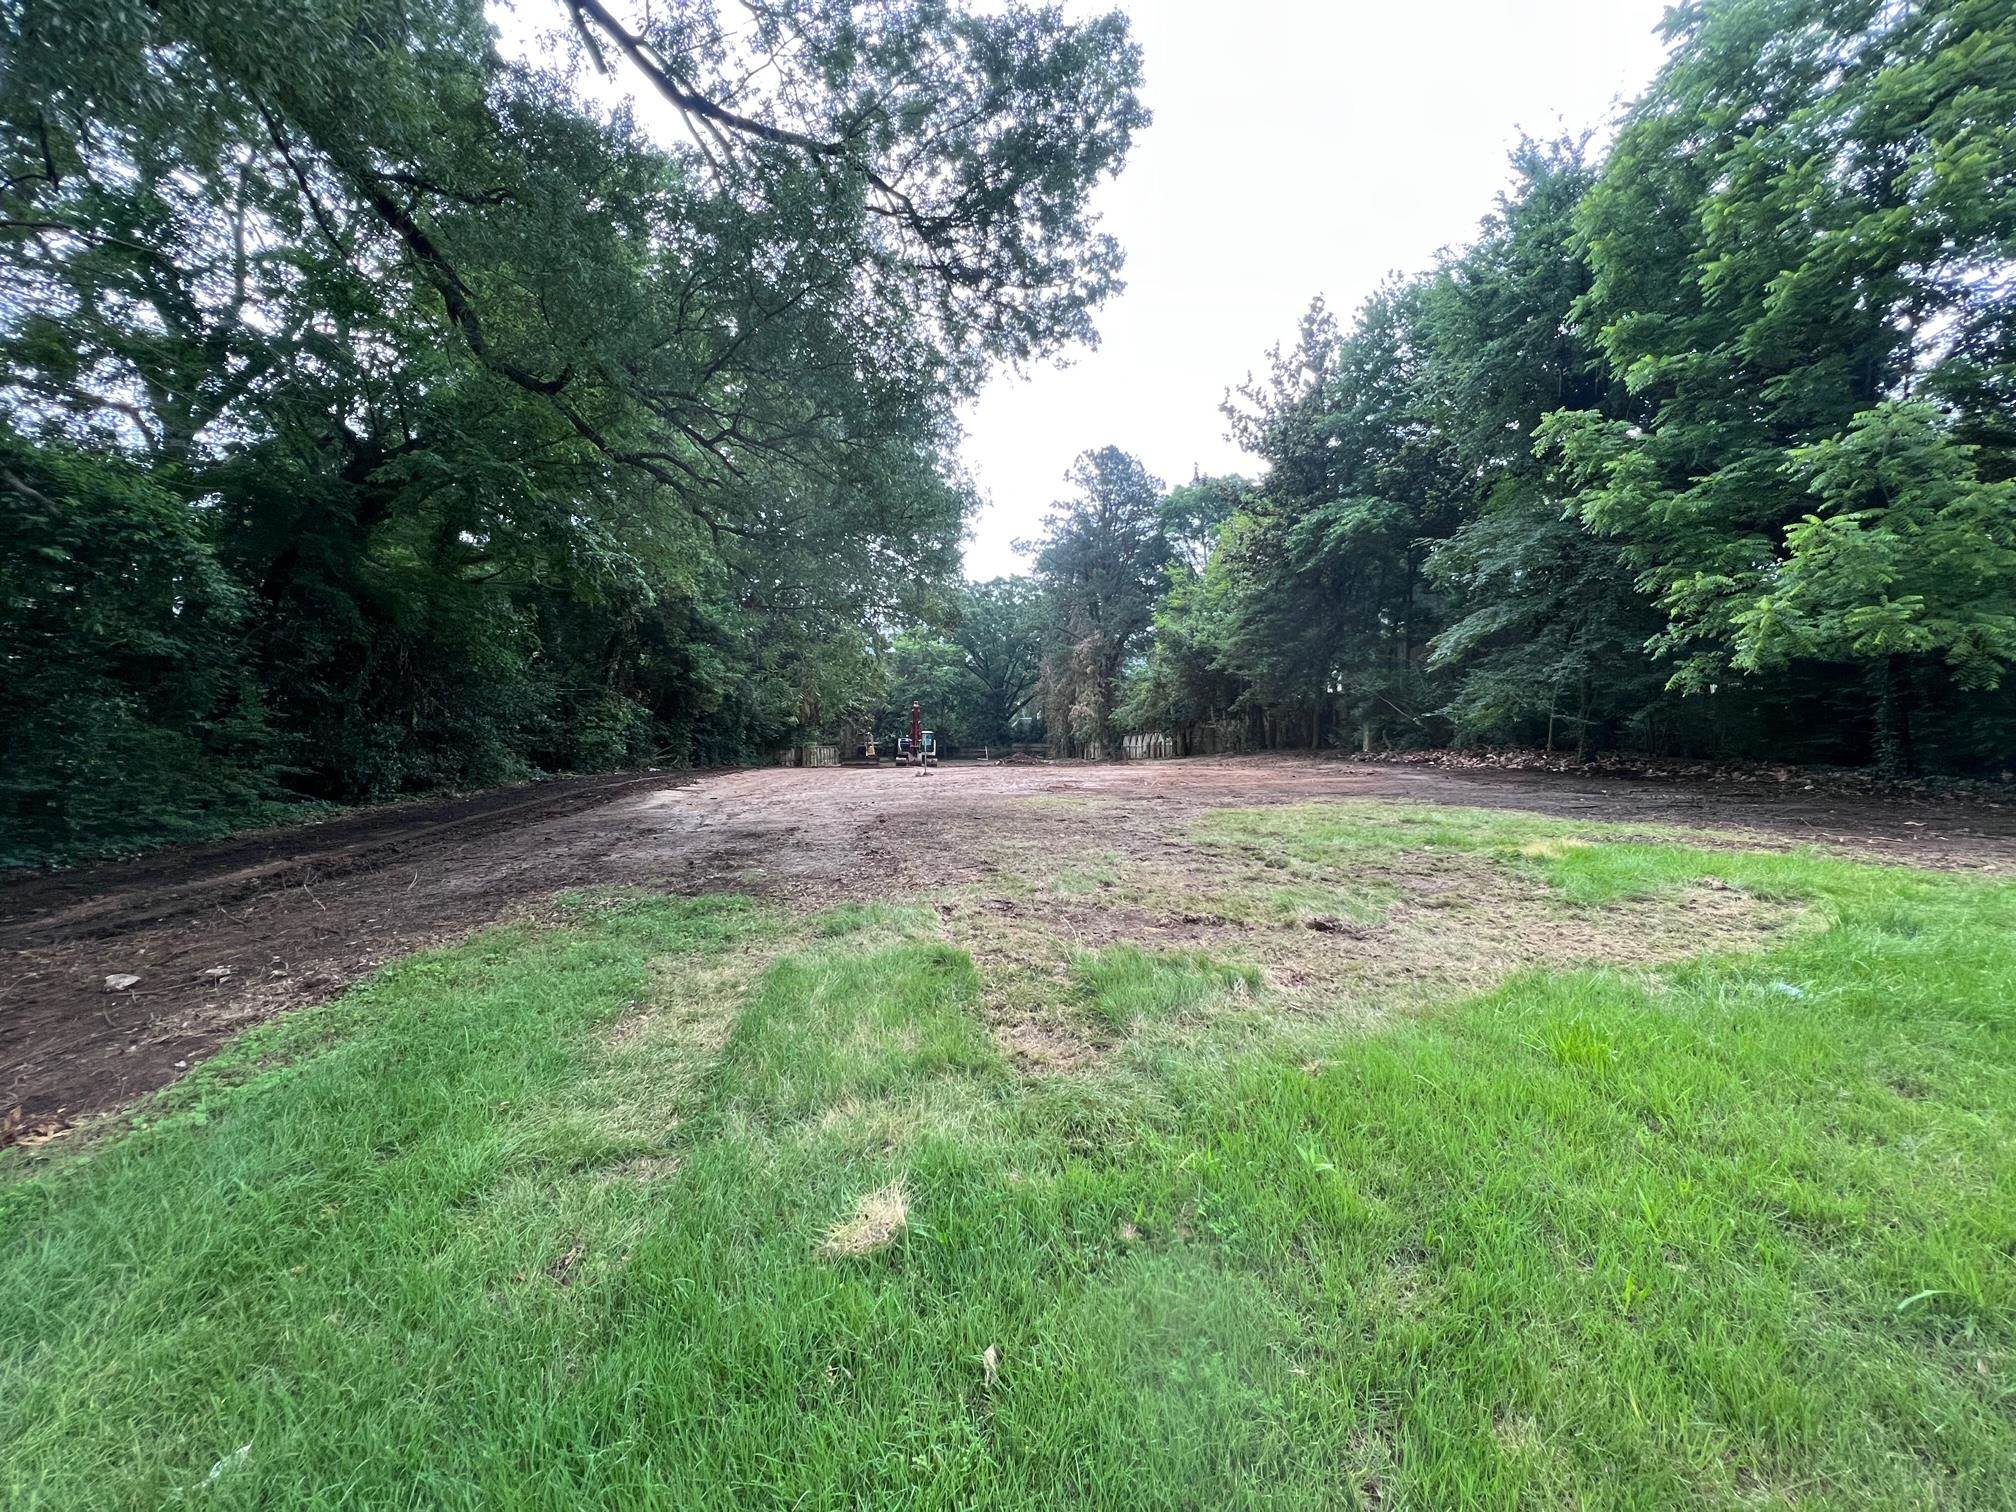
378	414
1705	444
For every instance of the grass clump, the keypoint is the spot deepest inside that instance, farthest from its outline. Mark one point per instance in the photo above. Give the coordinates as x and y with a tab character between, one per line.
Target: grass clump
1122	984
877	920
824	1027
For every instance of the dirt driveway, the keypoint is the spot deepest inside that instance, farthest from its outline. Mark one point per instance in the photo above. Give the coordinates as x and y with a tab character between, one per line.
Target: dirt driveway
224	936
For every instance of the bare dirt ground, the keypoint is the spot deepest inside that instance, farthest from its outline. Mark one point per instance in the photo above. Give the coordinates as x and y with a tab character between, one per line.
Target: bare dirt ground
223	936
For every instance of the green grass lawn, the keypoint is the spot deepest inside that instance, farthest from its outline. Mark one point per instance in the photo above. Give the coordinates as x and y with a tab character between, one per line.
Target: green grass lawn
692	1202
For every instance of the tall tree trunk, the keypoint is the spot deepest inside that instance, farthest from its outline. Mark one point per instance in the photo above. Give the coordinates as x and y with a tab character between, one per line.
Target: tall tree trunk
1896	755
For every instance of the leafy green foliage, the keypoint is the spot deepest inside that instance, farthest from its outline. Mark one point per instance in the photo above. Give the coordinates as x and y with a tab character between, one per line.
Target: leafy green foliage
1101	564
1192	515
1333	610
977	677
1184	681
1000	635
1792	237
1545	629
525	441
1910	553
1703	446
126	705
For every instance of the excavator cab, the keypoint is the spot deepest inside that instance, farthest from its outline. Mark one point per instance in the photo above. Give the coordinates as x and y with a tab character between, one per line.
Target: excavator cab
920	746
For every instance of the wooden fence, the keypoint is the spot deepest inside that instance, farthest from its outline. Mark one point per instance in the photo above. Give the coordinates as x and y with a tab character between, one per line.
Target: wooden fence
1212	739
809	756
1153	746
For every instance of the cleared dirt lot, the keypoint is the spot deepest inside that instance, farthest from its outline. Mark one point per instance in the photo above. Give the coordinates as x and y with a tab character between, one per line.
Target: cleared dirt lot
223	936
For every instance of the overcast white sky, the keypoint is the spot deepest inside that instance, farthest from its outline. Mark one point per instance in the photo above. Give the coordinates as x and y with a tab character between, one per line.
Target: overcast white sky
1299	147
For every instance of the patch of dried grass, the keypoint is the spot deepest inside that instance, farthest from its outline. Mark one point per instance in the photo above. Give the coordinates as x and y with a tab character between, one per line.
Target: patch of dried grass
643	1170
634	1025
1033	1045
1552	850
877	1126
1454	925
875	1224
1439	940
692	1004
656	1058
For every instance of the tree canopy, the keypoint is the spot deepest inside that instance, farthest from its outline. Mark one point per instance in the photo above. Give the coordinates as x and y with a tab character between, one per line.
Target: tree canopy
380	413
481	430
1705	443
1101	565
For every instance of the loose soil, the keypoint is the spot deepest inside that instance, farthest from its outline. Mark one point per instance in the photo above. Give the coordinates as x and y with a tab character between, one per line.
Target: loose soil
223	936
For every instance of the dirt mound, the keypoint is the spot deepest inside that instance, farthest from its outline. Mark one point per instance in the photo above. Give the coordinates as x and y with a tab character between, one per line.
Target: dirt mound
1627	766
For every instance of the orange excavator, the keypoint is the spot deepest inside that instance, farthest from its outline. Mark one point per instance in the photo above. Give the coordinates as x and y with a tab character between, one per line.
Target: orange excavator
920	746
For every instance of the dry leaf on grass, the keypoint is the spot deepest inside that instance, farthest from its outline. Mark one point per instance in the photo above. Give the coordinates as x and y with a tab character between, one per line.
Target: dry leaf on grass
14	1129
562	1270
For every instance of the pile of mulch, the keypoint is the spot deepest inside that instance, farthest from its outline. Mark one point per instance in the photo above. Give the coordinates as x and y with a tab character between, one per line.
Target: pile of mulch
1636	766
